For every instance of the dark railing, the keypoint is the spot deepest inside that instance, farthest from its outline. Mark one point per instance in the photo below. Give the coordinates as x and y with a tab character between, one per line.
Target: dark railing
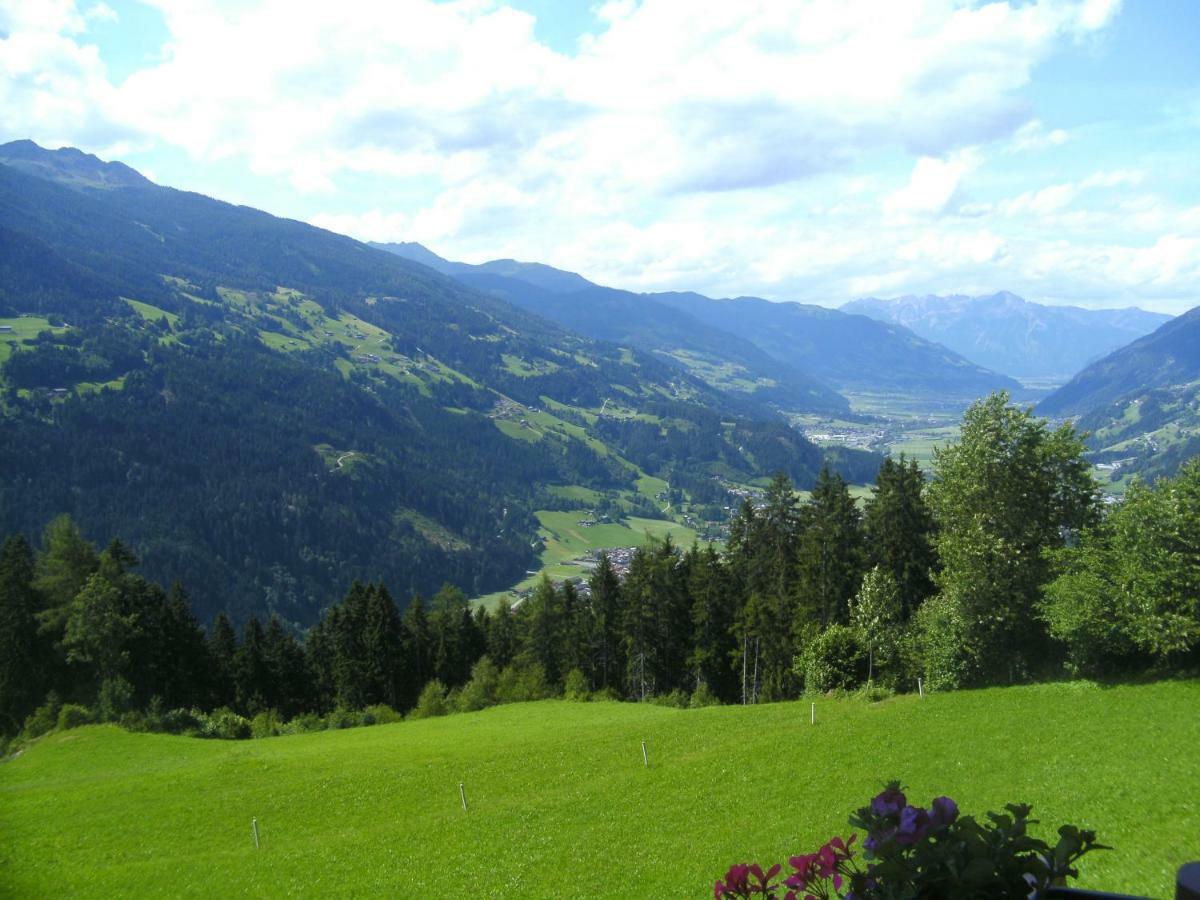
1187	887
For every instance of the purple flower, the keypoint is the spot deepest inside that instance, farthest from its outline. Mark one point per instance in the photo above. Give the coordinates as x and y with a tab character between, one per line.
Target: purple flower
943	811
889	802
914	825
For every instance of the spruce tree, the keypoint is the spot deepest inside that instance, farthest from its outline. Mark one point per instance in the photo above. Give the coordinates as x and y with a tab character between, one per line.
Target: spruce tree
383	648
222	650
606	646
251	676
22	678
831	553
898	529
418	652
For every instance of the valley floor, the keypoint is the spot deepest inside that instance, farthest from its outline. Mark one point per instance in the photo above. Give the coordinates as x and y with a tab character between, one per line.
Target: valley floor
562	805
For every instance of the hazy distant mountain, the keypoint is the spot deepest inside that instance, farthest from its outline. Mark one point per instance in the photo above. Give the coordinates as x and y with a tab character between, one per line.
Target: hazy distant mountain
1008	334
743	341
853	352
70	166
1141	404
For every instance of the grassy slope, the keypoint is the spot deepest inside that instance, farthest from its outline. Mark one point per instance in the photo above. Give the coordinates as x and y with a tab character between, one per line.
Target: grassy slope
561	805
566	540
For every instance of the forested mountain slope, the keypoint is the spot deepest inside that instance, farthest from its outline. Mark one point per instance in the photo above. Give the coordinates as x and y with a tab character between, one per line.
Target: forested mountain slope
713	354
1141	404
267	410
748	342
1009	334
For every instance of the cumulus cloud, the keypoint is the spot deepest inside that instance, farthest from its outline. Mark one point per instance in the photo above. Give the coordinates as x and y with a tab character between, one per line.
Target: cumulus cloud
809	150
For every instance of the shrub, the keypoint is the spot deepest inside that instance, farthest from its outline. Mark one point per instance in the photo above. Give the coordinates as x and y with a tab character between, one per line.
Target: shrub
606	695
677	699
873	693
520	683
343	718
703	697
431	703
266	724
43	719
182	721
309	721
483	689
943	643
575	686
224	723
381	714
72	715
115	699
833	660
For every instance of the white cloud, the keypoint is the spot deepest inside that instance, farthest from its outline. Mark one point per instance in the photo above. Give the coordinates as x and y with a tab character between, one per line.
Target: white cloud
934	184
1034	135
729	147
101	12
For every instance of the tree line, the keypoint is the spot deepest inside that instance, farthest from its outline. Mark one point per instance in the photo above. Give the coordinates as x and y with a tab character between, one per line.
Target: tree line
1005	566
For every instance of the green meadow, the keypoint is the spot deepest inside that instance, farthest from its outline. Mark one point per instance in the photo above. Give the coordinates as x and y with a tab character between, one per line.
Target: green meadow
565	540
560	803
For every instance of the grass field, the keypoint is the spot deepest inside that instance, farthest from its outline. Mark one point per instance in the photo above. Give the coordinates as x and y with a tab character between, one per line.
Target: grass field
565	540
23	330
561	805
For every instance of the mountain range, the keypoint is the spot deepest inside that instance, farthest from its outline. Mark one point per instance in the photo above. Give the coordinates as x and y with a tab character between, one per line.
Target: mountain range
1140	404
267	410
1006	333
790	354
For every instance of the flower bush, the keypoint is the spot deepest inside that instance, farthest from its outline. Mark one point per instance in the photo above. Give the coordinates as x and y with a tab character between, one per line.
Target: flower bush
911	853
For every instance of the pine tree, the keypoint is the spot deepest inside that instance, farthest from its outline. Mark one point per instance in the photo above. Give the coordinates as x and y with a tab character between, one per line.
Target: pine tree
222	650
606	646
831	554
898	527
104	620
22	679
383	648
714	608
287	670
251	676
502	636
66	562
541	628
418	652
449	622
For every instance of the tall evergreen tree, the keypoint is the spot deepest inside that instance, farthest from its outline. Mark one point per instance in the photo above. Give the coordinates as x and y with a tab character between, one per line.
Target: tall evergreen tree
251	675
383	648
418	652
898	528
171	659
606	646
287	670
502	636
22	678
64	565
714	609
831	553
104	620
449	624
222	650
541	620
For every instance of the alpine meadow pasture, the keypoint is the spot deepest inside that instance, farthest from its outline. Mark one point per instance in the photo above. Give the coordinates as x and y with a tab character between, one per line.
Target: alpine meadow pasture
560	803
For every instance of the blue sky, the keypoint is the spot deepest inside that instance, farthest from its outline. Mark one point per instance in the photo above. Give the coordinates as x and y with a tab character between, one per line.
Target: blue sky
814	151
